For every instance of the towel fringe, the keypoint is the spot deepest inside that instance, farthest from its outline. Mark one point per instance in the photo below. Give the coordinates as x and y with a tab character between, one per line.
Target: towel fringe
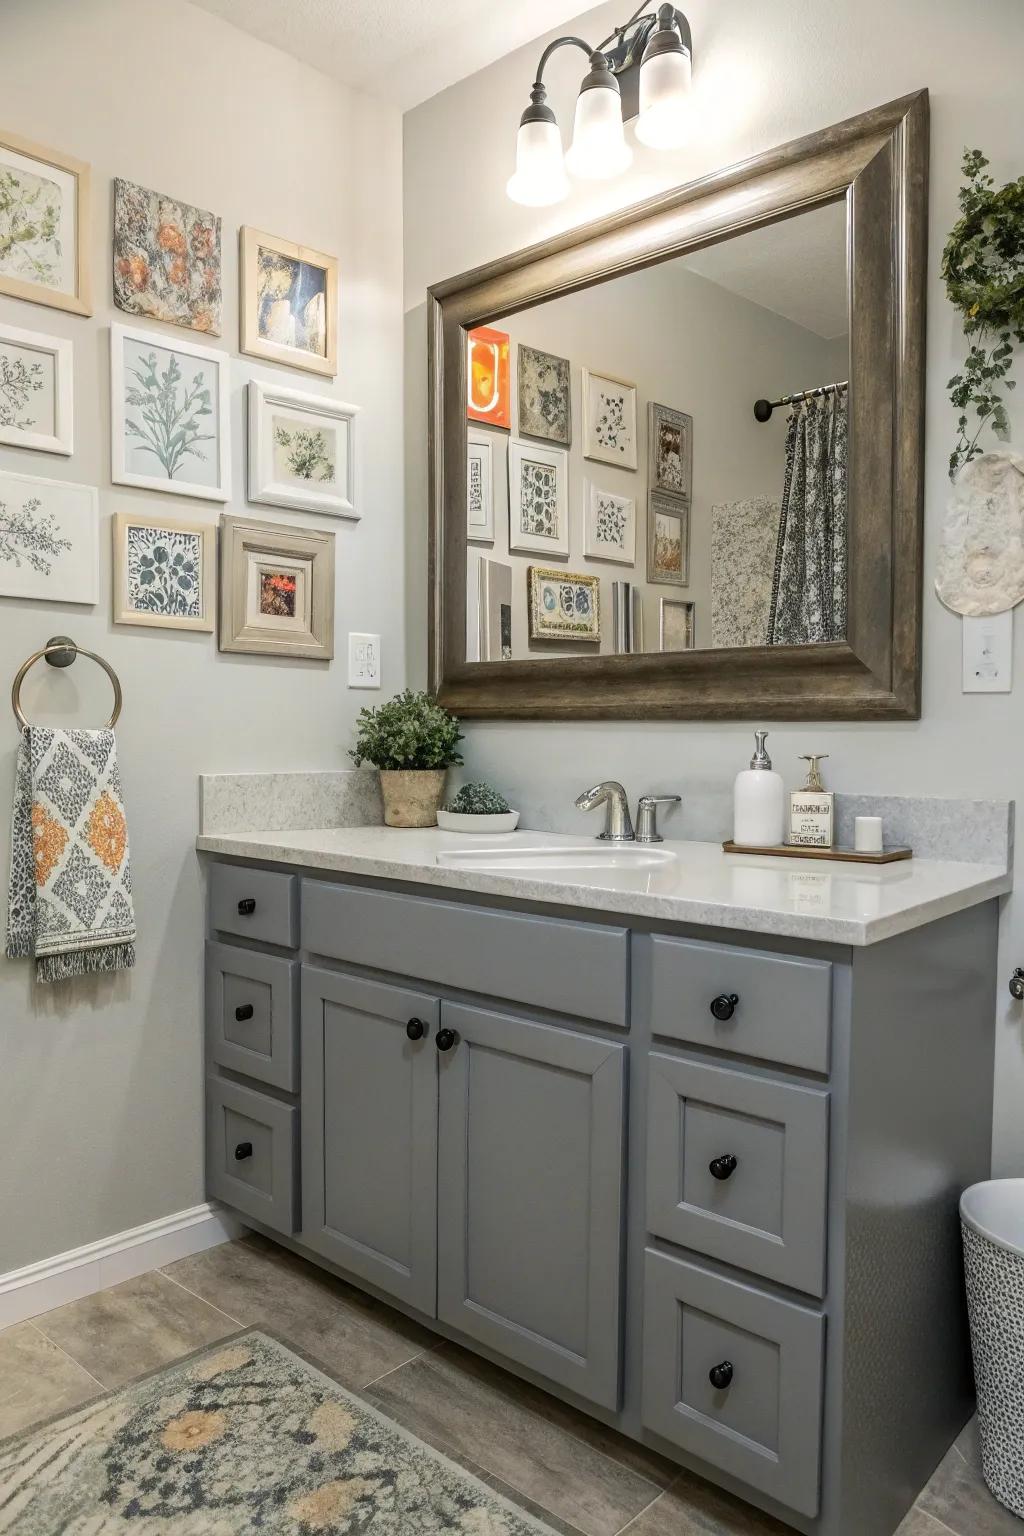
82	962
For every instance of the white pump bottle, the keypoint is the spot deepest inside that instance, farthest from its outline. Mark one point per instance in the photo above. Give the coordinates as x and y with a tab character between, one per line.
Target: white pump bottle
759	801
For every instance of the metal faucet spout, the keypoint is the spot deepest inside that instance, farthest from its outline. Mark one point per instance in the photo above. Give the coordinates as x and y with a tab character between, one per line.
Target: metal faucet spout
619	824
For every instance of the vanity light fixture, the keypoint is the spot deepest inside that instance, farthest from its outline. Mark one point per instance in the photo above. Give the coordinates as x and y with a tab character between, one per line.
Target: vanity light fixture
641	70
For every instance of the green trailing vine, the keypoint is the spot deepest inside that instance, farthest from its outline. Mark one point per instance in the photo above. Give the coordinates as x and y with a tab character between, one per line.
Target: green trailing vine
983	269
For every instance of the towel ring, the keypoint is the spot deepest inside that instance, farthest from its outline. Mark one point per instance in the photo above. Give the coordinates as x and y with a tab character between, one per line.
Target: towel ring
61	652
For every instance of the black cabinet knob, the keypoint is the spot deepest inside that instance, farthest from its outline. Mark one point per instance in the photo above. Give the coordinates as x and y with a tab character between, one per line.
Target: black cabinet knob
720	1375
1017	985
243	1012
247	906
724	1006
722	1167
415	1029
446	1038
243	1150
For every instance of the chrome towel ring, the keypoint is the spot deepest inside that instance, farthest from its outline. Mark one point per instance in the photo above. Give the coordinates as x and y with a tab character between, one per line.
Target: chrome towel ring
60	651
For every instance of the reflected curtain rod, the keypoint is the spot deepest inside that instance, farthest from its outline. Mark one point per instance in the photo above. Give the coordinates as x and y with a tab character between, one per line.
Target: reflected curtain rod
763	408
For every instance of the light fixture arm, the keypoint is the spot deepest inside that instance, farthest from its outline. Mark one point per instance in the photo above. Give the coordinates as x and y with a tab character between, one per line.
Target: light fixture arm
623	59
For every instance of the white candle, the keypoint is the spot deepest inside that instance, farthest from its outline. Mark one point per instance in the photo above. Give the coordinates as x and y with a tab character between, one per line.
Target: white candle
867	834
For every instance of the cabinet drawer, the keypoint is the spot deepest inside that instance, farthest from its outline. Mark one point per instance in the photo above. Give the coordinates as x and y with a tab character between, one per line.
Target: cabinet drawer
760	1418
257	904
251	1160
251	1015
575	968
782	1010
737	1167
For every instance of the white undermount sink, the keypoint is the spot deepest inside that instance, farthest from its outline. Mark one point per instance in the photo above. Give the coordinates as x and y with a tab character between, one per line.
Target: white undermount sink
587	856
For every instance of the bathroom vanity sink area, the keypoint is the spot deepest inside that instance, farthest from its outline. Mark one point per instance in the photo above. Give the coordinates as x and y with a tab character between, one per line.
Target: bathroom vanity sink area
676	1135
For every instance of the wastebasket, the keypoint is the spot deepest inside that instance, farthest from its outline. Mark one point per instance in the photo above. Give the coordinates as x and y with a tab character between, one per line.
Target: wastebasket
992	1221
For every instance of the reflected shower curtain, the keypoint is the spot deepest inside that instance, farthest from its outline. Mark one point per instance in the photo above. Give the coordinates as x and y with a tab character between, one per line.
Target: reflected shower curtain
809	590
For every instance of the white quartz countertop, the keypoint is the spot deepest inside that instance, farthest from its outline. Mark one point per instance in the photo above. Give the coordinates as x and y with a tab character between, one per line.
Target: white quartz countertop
824	900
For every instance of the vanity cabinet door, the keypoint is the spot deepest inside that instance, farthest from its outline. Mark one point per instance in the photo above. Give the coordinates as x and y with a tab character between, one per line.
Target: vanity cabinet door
369	1144
530	1195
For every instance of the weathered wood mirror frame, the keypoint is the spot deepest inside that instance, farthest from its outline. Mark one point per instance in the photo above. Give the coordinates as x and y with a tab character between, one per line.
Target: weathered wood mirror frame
878	162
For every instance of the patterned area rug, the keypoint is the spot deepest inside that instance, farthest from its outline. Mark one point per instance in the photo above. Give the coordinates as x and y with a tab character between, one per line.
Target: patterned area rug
244	1437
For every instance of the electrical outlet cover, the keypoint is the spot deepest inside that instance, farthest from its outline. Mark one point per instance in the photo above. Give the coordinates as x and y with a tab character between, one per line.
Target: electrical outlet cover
364	661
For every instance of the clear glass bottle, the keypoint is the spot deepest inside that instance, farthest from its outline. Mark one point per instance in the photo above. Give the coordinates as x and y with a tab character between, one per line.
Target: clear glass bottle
758	801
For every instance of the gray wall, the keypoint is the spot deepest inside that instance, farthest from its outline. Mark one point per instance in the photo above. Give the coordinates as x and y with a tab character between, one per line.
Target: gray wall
763	75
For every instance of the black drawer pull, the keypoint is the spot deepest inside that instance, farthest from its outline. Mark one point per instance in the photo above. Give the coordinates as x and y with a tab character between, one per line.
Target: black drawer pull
720	1375
415	1029
243	1012
722	1167
724	1006
243	1150
445	1039
247	906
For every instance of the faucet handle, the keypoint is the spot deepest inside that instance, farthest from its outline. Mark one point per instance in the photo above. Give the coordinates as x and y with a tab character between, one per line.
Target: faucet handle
647	816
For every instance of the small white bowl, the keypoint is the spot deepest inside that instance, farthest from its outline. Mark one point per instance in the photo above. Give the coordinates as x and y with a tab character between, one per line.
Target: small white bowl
460	821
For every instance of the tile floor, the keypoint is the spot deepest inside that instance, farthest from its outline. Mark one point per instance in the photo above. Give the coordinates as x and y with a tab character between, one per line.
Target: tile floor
577	1476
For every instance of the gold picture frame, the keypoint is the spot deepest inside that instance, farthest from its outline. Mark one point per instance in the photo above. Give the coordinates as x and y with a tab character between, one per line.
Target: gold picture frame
154	577
303	305
75	295
563	605
276	589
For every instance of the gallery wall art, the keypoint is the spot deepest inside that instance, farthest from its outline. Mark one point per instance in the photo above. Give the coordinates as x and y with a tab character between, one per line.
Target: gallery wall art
609	525
36	390
479	488
538	498
164	572
276	590
668	540
563	605
167	259
169	415
302	450
44	225
489	377
676	628
49	539
609	420
670	450
545	407
289	300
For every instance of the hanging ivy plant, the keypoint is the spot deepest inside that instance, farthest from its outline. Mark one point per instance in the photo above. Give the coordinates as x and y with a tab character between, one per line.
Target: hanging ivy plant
983	269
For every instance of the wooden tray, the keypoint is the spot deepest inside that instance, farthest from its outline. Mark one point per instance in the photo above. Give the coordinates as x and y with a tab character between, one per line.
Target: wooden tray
842	855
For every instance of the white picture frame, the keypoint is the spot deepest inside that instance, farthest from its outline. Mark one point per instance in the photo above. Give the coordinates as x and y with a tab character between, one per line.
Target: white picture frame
135	443
479	487
31	364
609	525
609	420
162	601
49	539
529	462
272	409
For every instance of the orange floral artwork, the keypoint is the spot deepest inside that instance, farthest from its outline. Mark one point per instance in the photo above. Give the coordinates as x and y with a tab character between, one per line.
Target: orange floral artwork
167	262
489	376
49	839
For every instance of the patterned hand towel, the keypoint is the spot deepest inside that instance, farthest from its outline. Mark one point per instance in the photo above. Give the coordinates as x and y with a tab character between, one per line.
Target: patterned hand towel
71	889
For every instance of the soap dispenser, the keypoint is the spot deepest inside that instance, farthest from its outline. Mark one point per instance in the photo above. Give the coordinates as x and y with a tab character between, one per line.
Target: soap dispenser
758	801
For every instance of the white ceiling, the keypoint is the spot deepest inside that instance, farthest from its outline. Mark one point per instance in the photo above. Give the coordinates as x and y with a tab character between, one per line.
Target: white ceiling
401	50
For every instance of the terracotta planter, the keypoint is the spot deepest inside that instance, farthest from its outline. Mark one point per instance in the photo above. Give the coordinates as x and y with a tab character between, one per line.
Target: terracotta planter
412	796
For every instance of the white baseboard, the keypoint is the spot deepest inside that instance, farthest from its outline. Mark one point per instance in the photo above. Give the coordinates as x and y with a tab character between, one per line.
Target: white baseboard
82	1271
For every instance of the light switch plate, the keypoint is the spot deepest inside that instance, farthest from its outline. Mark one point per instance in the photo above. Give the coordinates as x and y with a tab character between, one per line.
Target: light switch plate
988	654
364	661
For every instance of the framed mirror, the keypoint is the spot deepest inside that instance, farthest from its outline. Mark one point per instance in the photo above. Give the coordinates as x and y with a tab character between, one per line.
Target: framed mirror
676	455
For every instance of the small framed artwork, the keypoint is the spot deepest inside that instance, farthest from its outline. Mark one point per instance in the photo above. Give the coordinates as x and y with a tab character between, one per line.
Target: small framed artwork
36	390
563	605
164	572
609	525
538	498
44	225
545	406
670	450
495	610
167	259
301	451
668	540
49	540
289	296
169	415
676	627
480	488
276	590
609	420
488	377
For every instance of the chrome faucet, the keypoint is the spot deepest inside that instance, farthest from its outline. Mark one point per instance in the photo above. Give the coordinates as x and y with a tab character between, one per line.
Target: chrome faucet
618	827
647	816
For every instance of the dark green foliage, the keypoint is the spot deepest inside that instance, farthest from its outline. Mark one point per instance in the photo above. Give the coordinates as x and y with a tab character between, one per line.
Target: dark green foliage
409	731
478	800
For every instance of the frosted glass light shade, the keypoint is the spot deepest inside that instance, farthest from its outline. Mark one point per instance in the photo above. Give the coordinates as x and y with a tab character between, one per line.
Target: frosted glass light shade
664	120
540	177
599	147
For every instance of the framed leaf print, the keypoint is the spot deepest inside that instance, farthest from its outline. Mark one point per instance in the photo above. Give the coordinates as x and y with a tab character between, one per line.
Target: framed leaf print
49	540
164	572
538	498
609	420
670	450
36	391
668	540
276	589
302	451
489	377
44	225
169	415
480	488
289	298
609	525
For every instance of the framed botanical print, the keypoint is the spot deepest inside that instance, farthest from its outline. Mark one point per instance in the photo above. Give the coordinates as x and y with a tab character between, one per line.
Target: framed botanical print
609	420
489	377
44	225
169	417
563	605
164	572
49	540
670	450
609	525
545	407
668	540
289	297
480	488
538	498
167	259
36	391
676	628
302	451
276	589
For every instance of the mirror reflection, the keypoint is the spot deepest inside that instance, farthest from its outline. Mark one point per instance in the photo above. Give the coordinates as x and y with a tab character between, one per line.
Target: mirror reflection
658	463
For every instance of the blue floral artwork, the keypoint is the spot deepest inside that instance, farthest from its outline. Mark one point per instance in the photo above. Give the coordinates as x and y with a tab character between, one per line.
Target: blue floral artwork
291	302
164	571
563	605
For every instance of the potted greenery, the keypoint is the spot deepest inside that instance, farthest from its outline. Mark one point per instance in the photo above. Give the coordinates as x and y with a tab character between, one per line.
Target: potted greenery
413	741
478	808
